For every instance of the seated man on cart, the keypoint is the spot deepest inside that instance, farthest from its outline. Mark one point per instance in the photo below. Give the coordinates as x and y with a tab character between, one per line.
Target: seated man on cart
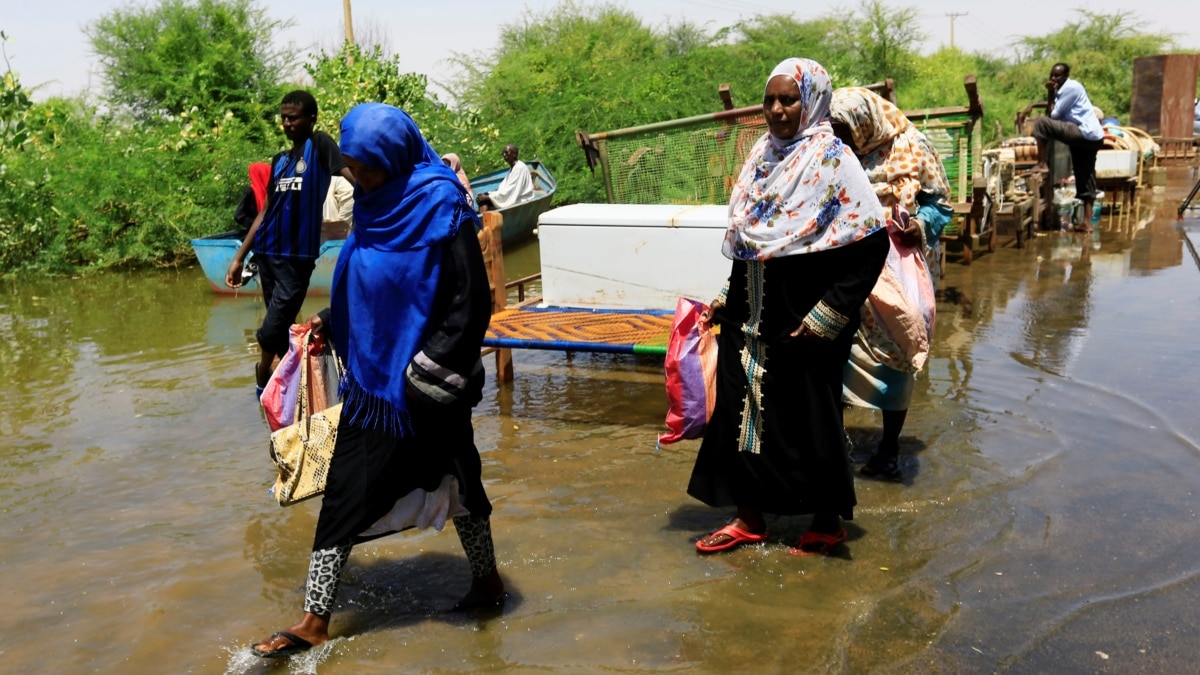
1073	121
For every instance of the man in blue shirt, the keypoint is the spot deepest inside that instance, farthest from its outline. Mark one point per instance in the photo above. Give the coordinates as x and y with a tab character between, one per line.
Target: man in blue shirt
286	235
1073	121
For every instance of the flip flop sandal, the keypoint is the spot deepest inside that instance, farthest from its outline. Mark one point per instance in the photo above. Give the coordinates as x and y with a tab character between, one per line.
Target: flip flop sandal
480	605
817	543
882	468
737	537
298	645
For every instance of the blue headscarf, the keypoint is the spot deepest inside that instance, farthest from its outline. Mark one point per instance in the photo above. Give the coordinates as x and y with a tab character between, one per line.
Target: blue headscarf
387	271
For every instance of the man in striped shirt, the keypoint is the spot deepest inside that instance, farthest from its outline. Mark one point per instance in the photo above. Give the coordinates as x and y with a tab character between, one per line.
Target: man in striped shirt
286	235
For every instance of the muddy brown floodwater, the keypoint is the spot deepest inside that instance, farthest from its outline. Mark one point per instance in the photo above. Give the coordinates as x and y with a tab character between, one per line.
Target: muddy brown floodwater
1048	523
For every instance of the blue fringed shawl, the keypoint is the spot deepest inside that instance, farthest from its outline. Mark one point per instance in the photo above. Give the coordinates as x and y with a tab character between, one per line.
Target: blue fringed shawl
387	272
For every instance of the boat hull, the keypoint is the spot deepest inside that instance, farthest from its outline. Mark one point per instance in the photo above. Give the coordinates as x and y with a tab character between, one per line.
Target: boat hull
214	254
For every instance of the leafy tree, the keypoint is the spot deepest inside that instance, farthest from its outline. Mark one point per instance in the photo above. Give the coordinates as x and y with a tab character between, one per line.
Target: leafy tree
210	55
683	37
881	41
354	75
14	106
571	68
766	40
351	76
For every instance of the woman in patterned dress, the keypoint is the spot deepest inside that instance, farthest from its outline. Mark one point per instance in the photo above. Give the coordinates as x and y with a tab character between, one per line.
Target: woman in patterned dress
807	239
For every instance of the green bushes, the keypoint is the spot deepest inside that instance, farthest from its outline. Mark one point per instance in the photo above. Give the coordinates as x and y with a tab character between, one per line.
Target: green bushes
91	191
165	158
193	89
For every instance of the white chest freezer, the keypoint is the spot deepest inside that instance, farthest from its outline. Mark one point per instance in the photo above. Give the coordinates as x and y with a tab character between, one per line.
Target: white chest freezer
631	256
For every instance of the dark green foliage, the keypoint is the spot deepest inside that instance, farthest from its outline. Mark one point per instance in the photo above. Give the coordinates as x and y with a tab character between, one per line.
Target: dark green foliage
599	68
92	191
353	76
180	55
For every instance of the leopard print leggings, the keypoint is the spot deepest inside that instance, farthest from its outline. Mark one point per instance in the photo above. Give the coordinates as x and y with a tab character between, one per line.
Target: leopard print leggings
325	566
475	535
324	574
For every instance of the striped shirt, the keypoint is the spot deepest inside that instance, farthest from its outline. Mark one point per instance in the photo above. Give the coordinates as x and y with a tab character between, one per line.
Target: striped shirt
291	227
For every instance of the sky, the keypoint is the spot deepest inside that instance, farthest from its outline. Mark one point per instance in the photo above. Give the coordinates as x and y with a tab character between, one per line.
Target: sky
49	50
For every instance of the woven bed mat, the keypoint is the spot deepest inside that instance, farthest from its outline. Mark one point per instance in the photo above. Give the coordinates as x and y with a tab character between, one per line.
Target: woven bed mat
563	329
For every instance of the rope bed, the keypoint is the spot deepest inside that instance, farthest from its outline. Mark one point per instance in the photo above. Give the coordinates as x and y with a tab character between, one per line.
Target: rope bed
563	329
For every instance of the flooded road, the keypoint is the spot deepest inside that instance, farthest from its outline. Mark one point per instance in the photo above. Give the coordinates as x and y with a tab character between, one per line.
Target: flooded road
1048	523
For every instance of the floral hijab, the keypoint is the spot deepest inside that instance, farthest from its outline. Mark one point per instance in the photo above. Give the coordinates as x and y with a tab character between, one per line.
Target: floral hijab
802	194
898	158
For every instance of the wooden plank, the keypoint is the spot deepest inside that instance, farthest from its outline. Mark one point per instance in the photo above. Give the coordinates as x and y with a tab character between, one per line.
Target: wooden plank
493	260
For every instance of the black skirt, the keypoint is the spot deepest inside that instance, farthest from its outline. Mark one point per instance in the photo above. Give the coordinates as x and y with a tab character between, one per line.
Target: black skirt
775	442
371	470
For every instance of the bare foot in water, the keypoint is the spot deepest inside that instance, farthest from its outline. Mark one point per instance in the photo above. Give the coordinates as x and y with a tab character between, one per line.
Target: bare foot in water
312	630
486	593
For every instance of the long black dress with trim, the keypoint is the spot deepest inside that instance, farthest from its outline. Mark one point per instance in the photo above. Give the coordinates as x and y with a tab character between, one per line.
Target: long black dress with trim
379	483
775	442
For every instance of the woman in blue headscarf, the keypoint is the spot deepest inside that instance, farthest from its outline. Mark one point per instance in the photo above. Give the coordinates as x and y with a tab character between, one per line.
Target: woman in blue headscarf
409	308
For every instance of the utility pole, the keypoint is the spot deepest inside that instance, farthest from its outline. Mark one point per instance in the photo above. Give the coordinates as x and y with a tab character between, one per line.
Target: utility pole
349	21
952	15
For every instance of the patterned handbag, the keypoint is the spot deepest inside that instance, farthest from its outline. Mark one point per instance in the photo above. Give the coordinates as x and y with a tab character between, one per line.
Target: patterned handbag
303	450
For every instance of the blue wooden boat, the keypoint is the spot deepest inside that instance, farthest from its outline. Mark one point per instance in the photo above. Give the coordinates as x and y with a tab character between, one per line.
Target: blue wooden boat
215	252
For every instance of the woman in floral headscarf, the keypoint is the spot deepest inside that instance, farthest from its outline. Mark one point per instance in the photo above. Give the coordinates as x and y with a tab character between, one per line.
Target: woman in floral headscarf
892	343
807	239
903	165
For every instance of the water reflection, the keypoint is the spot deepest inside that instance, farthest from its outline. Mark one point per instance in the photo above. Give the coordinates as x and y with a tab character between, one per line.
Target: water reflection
1051	517
1056	303
1156	247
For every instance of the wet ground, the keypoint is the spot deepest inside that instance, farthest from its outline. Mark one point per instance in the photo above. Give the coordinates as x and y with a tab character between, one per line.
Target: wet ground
1047	523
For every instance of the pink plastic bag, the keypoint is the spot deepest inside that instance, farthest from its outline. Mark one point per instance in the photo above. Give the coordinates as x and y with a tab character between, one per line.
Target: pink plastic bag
899	315
279	396
691	370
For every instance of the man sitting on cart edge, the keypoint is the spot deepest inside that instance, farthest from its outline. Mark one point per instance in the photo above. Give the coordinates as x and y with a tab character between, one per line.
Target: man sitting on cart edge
1072	120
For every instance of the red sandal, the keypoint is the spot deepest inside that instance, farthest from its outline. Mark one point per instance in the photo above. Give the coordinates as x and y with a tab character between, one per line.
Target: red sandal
817	543
737	537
